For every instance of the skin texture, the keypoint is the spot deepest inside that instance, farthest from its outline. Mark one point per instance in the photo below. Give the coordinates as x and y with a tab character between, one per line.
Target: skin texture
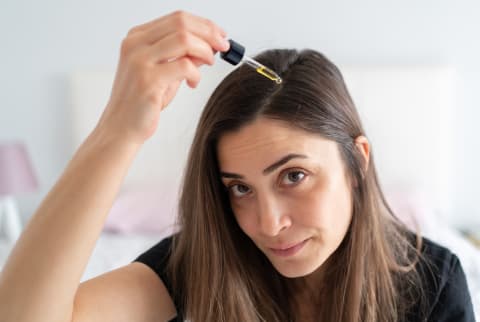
306	198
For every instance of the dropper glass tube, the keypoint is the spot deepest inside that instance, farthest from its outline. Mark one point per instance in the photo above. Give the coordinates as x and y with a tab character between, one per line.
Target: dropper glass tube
236	54
262	69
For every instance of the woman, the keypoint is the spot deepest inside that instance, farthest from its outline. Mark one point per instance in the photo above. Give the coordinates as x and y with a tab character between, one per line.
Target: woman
282	217
281	214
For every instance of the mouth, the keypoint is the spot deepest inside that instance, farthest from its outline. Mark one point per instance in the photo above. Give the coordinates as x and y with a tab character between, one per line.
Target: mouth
289	250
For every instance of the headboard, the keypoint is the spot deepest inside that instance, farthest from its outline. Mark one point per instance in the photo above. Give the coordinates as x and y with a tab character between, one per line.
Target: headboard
406	111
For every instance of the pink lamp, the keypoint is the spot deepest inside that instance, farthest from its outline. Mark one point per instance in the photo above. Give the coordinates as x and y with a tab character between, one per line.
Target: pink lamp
16	177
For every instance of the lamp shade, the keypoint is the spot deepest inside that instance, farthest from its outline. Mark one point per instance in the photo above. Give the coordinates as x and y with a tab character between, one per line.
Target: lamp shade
16	172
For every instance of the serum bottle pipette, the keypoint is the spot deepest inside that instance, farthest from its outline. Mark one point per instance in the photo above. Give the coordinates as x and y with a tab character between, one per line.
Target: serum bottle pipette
236	54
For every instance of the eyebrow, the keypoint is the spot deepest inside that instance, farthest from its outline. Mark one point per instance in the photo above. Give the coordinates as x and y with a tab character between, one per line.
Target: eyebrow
269	169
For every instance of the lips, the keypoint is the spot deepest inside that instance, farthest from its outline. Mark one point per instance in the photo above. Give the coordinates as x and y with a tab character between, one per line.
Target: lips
286	246
290	249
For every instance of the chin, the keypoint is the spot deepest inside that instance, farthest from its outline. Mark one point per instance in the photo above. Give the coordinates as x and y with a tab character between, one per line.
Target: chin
297	268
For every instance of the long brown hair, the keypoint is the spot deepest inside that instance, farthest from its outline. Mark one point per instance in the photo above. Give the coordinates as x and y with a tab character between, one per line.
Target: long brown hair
222	274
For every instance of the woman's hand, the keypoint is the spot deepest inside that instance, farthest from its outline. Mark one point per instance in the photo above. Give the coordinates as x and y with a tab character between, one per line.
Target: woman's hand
154	59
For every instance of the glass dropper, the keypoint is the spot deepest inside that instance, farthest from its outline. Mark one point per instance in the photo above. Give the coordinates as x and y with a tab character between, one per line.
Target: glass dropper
236	54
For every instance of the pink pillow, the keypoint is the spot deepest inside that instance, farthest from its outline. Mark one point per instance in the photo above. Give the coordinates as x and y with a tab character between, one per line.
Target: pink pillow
147	209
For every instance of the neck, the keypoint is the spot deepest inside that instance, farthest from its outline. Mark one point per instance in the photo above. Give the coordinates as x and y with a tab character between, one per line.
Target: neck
306	292
309	284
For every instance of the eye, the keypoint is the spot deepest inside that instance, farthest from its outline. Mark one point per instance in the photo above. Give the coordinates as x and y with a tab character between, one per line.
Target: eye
293	177
238	190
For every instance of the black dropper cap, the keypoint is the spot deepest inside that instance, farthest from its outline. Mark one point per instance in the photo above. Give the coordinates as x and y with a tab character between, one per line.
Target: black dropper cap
234	54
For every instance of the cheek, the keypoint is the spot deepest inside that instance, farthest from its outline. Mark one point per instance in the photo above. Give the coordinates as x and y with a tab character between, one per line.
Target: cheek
327	206
244	218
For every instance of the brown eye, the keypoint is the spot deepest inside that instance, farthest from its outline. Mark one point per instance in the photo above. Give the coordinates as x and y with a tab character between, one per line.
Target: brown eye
241	190
293	177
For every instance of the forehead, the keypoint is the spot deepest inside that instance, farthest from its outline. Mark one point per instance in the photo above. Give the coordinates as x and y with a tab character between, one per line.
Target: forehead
265	140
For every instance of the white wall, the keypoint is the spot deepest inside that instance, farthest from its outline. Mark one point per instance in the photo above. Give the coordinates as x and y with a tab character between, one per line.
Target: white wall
41	43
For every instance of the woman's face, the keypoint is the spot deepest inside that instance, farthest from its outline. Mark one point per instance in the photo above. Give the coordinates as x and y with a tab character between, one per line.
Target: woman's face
288	191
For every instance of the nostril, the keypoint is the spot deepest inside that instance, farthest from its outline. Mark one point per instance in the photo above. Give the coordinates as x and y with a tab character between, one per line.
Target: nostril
272	224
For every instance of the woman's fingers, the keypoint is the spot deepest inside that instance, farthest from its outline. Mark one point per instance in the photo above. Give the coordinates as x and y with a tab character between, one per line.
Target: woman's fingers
181	18
178	70
154	59
155	30
181	44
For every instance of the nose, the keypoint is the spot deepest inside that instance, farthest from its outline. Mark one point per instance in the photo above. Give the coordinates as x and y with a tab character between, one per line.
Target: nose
272	216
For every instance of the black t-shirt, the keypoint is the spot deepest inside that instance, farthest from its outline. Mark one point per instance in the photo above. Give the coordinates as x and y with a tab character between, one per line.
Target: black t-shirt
445	283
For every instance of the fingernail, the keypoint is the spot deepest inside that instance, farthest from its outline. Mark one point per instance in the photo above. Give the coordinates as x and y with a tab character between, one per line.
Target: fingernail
223	32
224	43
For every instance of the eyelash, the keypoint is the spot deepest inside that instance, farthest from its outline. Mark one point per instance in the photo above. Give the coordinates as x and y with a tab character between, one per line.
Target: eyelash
288	172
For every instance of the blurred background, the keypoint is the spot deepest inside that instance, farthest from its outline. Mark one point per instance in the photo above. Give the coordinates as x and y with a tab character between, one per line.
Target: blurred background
50	47
45	42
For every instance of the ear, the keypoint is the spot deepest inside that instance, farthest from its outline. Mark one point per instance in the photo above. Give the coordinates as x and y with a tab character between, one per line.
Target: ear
361	142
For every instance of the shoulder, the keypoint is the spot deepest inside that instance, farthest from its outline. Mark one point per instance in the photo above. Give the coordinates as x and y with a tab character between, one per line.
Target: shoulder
444	284
158	255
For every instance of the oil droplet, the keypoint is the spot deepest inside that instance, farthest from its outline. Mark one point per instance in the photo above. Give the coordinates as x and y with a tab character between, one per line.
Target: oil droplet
270	74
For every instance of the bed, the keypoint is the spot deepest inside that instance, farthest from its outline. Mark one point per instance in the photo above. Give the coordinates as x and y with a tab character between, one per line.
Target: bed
399	105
